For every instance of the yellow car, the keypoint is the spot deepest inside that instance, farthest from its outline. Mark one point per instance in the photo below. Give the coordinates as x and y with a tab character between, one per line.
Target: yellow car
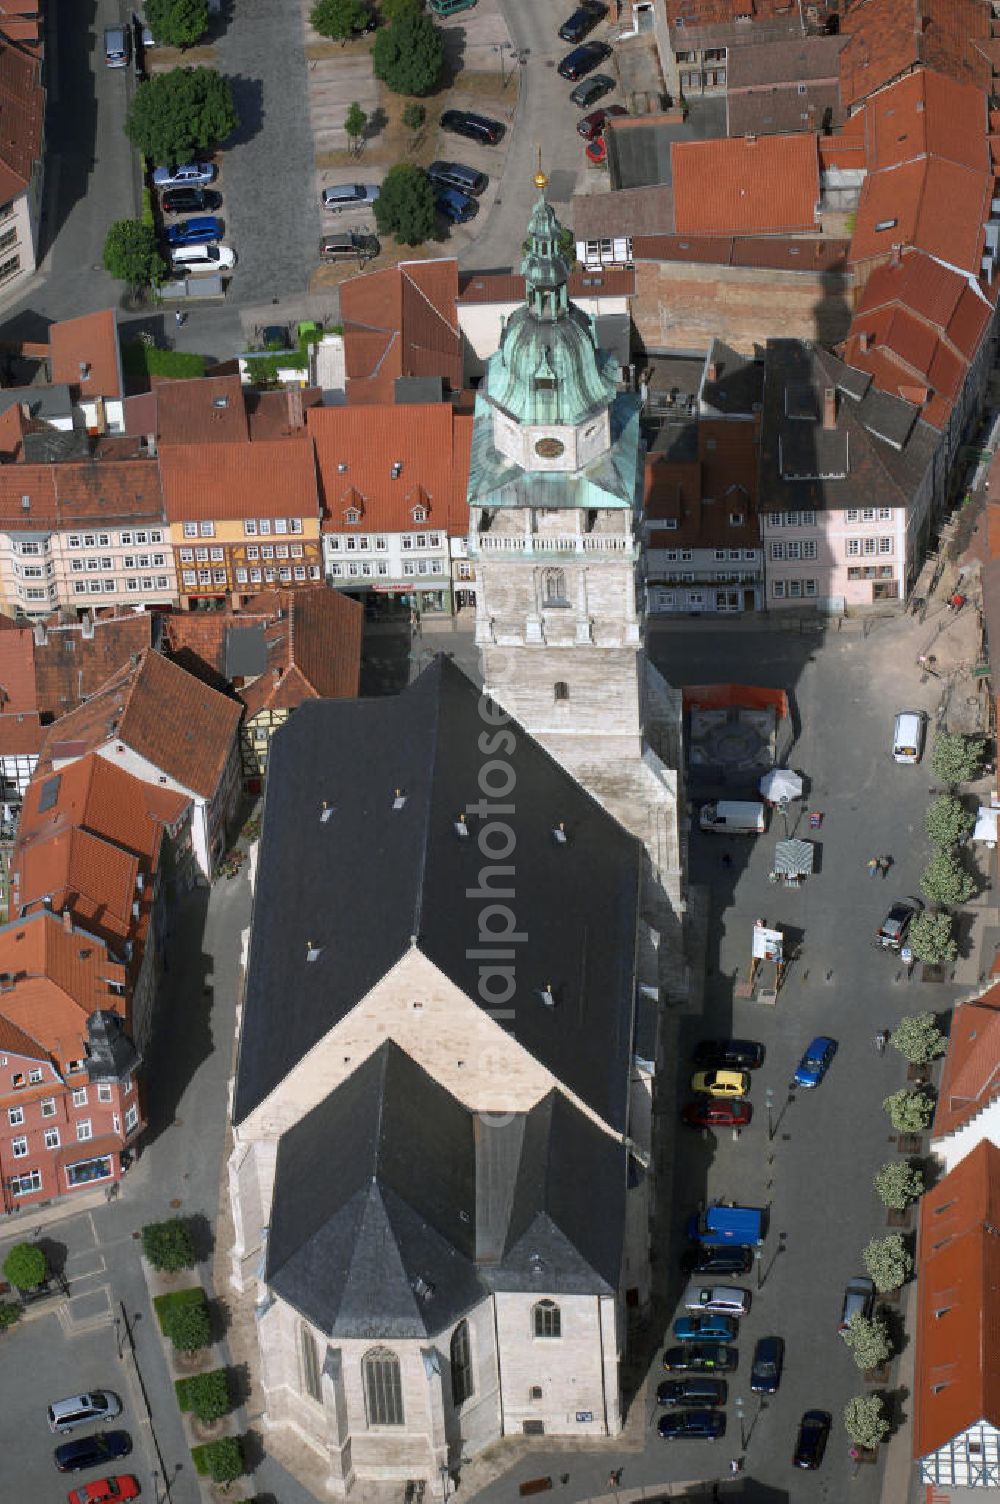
721	1083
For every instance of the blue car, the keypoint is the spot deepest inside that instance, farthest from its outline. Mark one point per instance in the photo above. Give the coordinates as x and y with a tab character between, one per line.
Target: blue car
699	1328
199	231
456	206
816	1061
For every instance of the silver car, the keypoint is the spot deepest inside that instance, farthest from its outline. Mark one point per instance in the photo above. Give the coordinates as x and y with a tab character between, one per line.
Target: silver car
349	196
188	175
725	1300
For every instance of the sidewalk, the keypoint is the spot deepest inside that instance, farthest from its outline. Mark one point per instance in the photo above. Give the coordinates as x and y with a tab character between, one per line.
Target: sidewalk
26	1225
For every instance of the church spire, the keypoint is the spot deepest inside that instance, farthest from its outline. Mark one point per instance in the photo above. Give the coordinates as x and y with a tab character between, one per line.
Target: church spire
543	265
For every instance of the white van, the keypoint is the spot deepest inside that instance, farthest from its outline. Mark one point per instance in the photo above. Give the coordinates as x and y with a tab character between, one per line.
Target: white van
908	736
733	817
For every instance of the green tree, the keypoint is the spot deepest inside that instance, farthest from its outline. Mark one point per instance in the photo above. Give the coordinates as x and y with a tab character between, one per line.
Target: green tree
188	1327
206	1395
932	939
339	19
868	1339
408	55
909	1111
918	1038
9	1312
177	23
957	758
168	1246
945	880
174	113
393	9
405	204
948	821
888	1262
354	124
131	254
25	1266
864	1420
898	1183
414	116
223	1459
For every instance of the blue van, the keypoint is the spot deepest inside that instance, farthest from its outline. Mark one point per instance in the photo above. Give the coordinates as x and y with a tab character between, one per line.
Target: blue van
458	207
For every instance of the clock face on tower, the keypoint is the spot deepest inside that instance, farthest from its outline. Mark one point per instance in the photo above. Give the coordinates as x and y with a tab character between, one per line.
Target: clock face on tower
549	449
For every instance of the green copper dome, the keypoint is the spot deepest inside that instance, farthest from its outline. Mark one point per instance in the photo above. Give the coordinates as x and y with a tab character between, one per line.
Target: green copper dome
548	369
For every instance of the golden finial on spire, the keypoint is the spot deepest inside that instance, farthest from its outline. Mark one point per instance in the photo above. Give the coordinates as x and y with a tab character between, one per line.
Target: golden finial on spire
540	179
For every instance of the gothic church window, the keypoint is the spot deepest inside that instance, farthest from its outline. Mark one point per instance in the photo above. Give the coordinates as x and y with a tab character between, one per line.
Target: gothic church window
461	1364
561	689
554	588
547	1319
383	1390
310	1363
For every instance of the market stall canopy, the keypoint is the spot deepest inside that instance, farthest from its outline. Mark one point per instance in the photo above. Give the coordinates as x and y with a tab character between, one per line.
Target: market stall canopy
781	783
794	858
986	824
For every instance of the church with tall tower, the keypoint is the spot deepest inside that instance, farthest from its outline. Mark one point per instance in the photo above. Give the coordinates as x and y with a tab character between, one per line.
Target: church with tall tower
555	500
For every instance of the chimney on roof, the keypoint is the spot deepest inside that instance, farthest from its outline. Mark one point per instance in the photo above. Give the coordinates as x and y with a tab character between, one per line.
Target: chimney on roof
41	634
712	372
100	416
87	627
811	117
865	340
84	369
897	254
67	920
296	417
830	407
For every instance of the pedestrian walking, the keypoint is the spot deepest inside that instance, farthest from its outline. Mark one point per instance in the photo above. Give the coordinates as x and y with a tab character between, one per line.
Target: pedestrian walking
736	1466
884	863
880	1041
874	866
179	317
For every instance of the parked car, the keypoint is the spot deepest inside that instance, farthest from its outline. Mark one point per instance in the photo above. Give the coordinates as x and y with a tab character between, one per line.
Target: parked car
117	46
768	1361
721	1083
596	151
730	1300
733	1054
591	90
859	1300
816	1061
188	175
814	1432
693	1425
701	1357
340	196
349	246
476	127
698	1389
701	1259
189	200
582	22
455	206
908	731
83	1410
457	175
105	1490
583	60
593	124
92	1451
717	1112
700	1328
202	230
892	931
202	258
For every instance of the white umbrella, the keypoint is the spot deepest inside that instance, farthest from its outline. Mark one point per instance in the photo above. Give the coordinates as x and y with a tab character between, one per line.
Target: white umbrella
780	783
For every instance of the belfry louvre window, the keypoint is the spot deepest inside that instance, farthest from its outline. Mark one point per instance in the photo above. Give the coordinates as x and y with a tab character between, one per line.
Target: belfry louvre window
383	1391
310	1364
547	1319
461	1364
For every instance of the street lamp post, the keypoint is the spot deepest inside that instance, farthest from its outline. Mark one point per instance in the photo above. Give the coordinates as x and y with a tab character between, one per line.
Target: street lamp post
769	1100
739	1416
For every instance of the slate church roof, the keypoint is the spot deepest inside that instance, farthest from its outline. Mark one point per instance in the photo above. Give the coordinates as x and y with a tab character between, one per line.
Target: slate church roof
360	859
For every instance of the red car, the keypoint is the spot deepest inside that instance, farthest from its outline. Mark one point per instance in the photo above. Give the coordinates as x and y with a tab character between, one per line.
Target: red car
717	1112
105	1490
596	151
593	124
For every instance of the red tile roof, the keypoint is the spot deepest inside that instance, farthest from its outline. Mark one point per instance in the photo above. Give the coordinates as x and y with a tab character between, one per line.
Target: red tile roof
75	870
400	322
927	115
207	410
764	185
60	977
357	449
84	354
887	38
79	492
99	797
20	735
276	415
957	1365
970	1077
916	330
269	478
161	713
700	494
22	108
17	671
76	658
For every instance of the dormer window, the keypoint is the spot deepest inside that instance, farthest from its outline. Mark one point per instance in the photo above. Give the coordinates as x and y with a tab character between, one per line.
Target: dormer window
352	516
419	514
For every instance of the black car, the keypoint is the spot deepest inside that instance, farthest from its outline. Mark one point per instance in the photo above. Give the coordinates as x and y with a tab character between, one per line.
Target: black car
737	1258
477	127
582	22
190	200
701	1357
583	60
700	1425
768	1358
694	1391
892	931
736	1054
814	1432
92	1451
591	90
